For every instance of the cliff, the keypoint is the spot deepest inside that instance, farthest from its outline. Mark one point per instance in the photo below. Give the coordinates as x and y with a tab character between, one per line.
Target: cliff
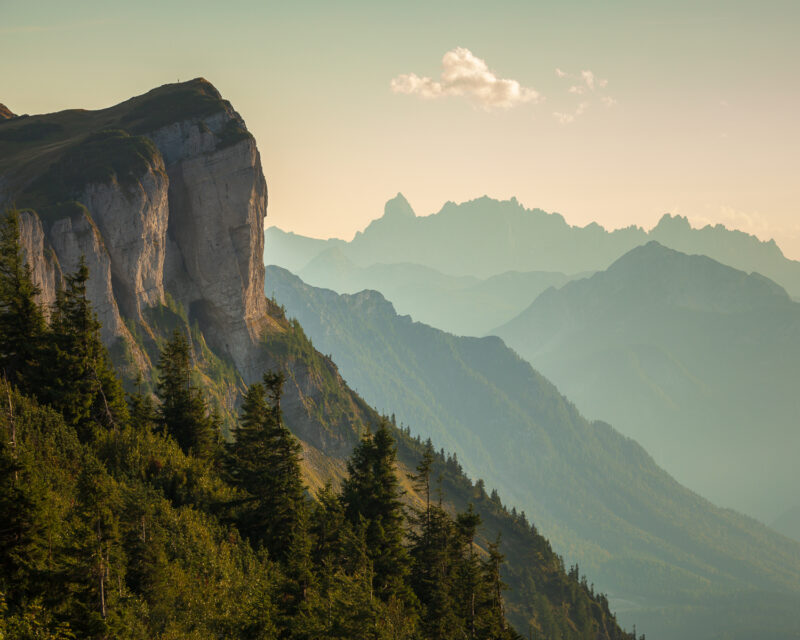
164	197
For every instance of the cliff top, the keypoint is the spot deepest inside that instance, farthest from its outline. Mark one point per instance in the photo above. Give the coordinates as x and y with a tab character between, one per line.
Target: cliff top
31	144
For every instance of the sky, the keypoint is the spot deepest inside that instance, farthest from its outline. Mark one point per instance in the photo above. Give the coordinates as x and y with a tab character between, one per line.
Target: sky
615	112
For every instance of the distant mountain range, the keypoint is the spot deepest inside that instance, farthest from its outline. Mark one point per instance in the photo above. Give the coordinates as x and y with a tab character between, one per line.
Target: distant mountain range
163	197
464	305
487	237
663	552
697	361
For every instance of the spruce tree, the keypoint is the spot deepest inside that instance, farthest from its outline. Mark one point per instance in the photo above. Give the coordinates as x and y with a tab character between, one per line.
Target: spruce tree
434	554
20	530
22	325
468	573
183	412
372	493
141	408
81	383
264	461
96	562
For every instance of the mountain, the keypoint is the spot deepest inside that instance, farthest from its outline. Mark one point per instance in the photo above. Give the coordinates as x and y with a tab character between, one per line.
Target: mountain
672	562
788	523
463	305
163	198
695	360
486	237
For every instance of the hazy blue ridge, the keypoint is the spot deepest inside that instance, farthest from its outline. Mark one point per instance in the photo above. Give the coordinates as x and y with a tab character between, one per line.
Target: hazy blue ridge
666	554
694	359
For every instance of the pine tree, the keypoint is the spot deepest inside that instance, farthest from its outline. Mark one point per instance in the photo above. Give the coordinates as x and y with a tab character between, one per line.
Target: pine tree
96	563
141	407
433	552
490	619
183	412
20	531
469	570
264	461
371	492
81	383
22	325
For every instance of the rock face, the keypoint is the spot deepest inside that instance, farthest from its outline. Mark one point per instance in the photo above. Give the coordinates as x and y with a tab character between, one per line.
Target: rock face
45	269
215	236
187	222
133	224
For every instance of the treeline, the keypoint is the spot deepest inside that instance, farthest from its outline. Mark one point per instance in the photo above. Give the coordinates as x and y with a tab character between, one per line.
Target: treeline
131	518
127	516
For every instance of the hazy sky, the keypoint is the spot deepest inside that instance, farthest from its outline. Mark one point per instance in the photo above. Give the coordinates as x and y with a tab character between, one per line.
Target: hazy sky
609	111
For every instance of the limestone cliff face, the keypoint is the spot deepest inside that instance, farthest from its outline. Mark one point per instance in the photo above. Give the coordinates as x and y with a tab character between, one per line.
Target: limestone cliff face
171	210
215	240
182	216
76	236
45	269
133	224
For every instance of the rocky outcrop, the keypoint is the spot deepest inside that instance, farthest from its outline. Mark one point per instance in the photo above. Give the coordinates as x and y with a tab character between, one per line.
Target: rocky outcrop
215	236
45	269
133	223
167	199
77	236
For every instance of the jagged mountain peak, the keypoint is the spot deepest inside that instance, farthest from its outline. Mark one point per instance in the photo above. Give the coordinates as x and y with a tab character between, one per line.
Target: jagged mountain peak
398	208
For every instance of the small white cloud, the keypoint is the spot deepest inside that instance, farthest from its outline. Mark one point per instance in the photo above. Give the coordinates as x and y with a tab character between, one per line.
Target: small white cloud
464	74
608	101
588	78
569	118
563	118
577	90
560	73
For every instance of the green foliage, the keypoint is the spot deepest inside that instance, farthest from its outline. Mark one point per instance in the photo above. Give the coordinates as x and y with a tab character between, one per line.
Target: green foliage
114	528
169	104
111	155
79	380
371	492
30	132
183	412
233	132
264	462
22	327
598	496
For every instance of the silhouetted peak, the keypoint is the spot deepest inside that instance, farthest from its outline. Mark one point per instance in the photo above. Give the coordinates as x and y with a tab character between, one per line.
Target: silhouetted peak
398	208
673	222
5	113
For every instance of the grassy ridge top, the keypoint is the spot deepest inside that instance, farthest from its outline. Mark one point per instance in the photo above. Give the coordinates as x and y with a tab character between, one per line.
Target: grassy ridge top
30	145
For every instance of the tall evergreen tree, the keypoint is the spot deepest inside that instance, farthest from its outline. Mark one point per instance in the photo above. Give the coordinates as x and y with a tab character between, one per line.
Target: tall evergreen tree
183	412
264	461
22	325
469	571
96	563
434	554
81	382
491	623
372	493
141	407
20	531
